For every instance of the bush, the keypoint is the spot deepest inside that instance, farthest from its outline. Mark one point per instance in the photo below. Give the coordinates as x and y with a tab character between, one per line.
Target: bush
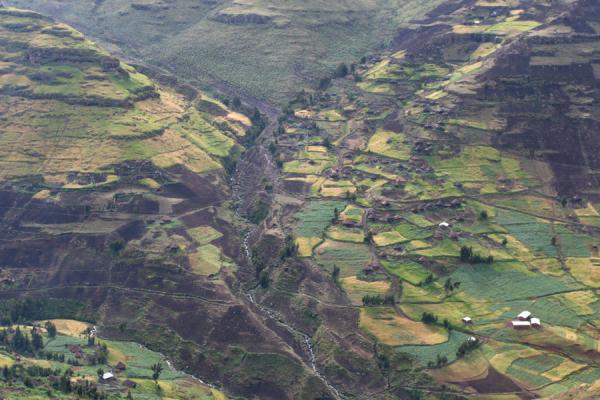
324	83
341	71
429	318
467	255
378	300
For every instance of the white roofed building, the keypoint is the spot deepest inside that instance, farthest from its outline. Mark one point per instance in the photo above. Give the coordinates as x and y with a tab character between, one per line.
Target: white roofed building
520	324
524	316
107	376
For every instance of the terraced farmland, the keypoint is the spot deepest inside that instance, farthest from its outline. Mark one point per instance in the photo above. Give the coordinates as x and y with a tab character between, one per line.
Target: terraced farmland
457	222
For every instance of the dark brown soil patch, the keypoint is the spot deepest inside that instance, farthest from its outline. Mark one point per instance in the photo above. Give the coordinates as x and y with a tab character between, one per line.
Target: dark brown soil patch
296	187
495	382
132	230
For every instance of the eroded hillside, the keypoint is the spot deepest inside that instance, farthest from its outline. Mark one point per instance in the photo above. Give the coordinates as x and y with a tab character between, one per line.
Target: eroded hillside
268	48
116	208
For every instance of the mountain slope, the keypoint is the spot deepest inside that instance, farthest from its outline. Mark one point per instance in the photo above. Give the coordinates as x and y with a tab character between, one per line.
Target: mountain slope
114	207
268	48
412	183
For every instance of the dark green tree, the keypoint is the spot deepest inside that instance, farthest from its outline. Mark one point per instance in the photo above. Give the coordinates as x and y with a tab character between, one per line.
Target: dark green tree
156	371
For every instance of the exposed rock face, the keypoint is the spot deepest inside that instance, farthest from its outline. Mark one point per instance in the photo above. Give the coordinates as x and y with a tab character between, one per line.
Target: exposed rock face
40	55
245	18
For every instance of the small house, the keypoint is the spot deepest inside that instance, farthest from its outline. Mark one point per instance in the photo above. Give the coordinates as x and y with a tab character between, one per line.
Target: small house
108	376
520	324
524	316
536	323
467	321
472	339
129	384
444	225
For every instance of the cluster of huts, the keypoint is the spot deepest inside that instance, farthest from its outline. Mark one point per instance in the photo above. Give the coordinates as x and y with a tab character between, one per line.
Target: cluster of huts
525	320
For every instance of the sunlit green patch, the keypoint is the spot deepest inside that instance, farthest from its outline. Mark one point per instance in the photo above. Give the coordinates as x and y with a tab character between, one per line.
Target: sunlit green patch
508	281
389	144
422	189
316	216
418	220
351	258
536	235
342	234
306	166
352	214
357	289
331	188
388	238
208	260
409	271
374	87
429	354
204	234
395	330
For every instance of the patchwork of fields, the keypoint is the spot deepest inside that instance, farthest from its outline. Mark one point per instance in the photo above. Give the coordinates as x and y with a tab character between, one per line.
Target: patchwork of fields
438	223
70	352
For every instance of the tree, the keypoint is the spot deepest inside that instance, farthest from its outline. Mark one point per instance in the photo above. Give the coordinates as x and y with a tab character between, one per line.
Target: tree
441	361
335	274
156	371
428	280
237	103
116	247
51	329
36	341
129	396
264	279
429	318
100	373
483	215
448	286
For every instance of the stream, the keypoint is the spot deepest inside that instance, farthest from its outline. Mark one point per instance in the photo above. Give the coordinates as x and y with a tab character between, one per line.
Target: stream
236	186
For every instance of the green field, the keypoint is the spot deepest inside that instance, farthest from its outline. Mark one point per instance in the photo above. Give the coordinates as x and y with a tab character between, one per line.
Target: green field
316	216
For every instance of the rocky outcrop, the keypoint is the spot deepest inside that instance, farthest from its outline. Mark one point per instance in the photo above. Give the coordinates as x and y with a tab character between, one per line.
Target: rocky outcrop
245	18
47	55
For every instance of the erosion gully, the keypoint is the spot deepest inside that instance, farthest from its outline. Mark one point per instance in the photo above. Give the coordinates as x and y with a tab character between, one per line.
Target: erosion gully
239	184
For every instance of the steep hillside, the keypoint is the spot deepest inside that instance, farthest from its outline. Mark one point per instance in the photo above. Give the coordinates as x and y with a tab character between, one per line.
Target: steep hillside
268	48
453	176
114	206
